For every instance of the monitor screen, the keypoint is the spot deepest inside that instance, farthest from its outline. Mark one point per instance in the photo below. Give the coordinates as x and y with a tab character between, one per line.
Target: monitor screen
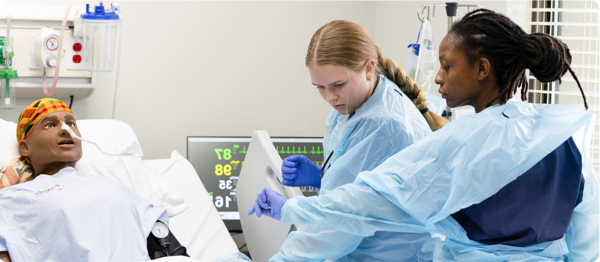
218	161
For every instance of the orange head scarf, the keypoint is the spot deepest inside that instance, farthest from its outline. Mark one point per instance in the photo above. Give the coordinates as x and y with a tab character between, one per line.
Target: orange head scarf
35	112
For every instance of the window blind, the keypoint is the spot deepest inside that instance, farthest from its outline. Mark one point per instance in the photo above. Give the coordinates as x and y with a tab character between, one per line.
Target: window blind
575	22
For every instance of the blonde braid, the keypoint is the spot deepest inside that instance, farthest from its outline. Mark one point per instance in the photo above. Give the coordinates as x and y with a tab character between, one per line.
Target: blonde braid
411	89
396	74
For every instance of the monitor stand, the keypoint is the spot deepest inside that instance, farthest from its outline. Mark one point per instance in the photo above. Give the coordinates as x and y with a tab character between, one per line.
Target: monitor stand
262	168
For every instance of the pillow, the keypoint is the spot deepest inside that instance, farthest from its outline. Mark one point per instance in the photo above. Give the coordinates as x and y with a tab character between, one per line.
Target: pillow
8	142
128	169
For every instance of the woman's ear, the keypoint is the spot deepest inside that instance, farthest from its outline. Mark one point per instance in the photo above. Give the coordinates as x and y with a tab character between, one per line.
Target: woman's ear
24	148
370	68
484	69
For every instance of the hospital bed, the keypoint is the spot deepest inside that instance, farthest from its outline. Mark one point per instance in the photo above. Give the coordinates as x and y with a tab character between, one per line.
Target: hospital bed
172	183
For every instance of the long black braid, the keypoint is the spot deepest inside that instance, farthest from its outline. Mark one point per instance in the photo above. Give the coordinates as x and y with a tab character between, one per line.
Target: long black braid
486	34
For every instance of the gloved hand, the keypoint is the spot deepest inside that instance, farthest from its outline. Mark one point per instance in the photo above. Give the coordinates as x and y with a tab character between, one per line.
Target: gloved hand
298	170
268	203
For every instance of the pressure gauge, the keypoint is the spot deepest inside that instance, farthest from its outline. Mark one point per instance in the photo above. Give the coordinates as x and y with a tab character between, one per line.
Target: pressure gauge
45	49
160	230
51	44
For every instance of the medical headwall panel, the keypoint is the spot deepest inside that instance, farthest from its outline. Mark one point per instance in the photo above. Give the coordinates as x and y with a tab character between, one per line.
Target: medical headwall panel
73	80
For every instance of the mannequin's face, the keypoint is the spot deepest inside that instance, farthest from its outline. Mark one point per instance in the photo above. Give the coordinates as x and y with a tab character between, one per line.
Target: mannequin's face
344	89
48	144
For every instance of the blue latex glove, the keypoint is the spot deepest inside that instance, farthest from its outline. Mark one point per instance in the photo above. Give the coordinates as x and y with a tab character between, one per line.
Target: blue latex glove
298	170
265	199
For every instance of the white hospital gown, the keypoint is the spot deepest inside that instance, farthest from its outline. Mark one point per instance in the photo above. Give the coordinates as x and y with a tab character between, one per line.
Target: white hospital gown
70	217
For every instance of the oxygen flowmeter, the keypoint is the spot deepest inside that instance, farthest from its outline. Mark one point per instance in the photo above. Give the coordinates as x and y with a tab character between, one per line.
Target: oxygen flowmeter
8	76
9	80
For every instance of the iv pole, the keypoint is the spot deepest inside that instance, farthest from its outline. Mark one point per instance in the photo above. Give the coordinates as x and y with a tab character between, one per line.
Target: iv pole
451	9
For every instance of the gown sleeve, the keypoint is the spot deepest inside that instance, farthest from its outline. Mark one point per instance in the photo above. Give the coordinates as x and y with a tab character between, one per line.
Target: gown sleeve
366	151
583	233
441	174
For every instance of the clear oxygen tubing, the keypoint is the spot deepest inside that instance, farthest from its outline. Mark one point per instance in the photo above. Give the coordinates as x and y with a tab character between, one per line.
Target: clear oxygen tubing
72	134
118	60
59	55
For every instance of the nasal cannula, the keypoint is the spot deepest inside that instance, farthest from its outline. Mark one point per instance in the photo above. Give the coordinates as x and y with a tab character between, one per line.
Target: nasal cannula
70	131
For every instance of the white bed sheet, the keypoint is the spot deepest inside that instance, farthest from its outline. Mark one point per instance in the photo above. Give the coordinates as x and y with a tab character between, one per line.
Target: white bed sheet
200	227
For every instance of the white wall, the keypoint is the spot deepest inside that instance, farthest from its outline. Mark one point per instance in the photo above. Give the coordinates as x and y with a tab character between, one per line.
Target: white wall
215	68
210	69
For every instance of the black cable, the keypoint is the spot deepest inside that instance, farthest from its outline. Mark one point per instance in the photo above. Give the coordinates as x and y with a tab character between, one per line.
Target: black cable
71	103
242	247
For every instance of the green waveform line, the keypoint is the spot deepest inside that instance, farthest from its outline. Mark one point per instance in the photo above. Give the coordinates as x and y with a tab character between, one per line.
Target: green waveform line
299	150
319	151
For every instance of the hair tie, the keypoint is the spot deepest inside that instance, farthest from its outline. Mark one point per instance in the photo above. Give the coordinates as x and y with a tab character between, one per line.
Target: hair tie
424	110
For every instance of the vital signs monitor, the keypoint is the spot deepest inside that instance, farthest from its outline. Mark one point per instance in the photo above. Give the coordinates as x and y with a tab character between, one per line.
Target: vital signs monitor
218	161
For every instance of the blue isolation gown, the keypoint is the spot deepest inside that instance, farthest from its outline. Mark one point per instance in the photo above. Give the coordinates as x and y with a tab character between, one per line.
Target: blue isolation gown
463	164
385	124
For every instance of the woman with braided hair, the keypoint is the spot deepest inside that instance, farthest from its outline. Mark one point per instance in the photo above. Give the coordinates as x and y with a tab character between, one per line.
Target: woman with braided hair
510	183
372	118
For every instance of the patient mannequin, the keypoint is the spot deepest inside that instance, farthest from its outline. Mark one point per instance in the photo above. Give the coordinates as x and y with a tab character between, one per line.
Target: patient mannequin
60	215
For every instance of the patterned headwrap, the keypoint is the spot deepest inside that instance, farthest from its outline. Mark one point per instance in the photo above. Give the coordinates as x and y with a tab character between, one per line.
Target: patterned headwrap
32	114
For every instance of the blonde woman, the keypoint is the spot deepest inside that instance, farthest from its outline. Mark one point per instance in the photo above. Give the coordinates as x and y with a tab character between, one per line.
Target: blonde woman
377	111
